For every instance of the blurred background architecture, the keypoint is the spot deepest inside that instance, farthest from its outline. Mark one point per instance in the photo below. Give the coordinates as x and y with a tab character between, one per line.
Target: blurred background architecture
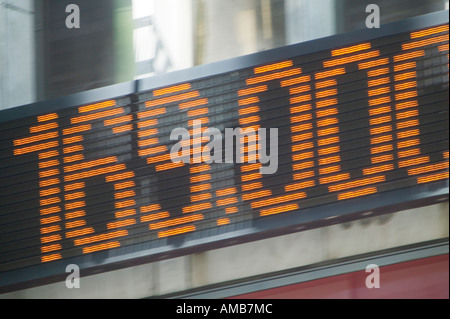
124	40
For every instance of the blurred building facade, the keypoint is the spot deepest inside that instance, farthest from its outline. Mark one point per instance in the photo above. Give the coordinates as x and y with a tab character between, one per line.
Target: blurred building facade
123	40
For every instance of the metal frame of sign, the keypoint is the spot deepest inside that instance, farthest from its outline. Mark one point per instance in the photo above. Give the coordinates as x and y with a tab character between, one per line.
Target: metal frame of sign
269	226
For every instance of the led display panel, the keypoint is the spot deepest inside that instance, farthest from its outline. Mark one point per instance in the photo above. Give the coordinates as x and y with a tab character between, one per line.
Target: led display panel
367	118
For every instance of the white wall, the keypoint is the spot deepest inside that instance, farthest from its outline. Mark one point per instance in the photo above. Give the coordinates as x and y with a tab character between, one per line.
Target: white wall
17	53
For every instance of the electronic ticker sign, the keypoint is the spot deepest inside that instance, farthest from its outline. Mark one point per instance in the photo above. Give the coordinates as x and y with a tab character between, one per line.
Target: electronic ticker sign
353	121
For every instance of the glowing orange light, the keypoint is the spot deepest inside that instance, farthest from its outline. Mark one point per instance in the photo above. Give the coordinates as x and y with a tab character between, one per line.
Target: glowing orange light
278	200
407	134
301	118
382	158
302	146
381	149
414	161
73	149
71	159
227	201
432	178
196	208
75	224
380	129
254	90
50	220
48	164
97	106
297	186
49	154
273	67
152	217
74	196
223	221
118	120
304	165
153	150
174	98
77	129
381	139
251	186
121	223
329	160
357	183
255	195
73	139
96	238
408	143
379	91
193	104
50	239
91	249
377	72
300	89
406	95
302	156
200	188
99	162
425	42
324	84
48	173
231	210
407	124
303	175
226	191
329	169
50	210
404	66
247	120
172	89
371	64
80	232
381	100
334	178
49	182
379	81
150	208
47	117
426	32
51	229
198	112
301	137
45	127
351	59
351	49
35	148
96	172
378	169
353	194
176	221
122	129
294	81
428	168
273	76
380	120
96	116
410	55
326	103
329	73
76	214
301	127
200	197
176	231
443	48
49	258
278	210
328	112
409	153
300	99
